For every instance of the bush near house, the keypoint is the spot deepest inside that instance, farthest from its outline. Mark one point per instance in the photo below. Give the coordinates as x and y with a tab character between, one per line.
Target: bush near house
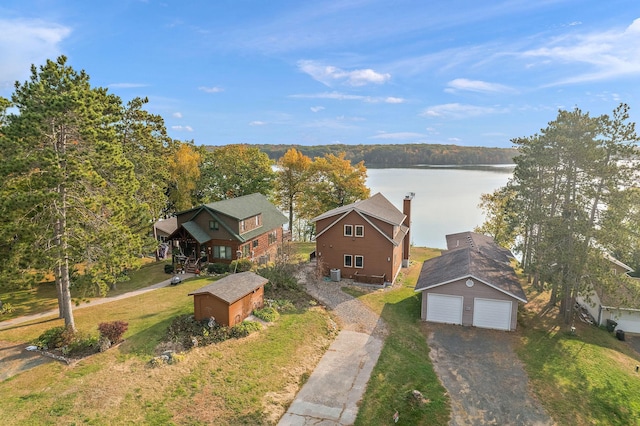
240	265
217	268
113	331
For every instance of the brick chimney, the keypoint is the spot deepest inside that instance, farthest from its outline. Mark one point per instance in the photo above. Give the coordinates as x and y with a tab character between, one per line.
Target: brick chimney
406	209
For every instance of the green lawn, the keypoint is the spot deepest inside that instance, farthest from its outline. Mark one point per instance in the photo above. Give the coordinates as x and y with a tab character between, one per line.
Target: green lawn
42	297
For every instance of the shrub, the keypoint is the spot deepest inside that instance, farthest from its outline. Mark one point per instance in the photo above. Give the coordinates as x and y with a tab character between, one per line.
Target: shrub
268	314
241	265
53	338
217	268
280	275
113	330
168	269
82	345
5	308
244	329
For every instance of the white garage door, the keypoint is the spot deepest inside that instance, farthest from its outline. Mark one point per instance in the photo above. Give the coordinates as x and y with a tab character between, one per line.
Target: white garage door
489	313
627	321
444	308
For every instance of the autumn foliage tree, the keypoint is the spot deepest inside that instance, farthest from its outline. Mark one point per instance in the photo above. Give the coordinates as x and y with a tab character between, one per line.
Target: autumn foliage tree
184	170
293	177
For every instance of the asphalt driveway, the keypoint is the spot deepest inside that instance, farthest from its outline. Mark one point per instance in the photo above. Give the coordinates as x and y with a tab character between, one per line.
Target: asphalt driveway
485	380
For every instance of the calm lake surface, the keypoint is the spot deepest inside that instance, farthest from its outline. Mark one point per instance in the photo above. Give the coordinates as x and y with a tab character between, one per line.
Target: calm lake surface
446	198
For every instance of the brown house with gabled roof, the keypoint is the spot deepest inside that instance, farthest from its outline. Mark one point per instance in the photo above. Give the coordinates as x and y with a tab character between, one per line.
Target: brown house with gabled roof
368	240
473	283
247	227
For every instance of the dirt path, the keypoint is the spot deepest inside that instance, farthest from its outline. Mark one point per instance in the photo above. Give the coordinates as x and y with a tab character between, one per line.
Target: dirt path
485	380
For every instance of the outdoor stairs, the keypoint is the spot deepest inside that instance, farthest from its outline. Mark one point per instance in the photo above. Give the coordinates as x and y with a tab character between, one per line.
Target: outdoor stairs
191	266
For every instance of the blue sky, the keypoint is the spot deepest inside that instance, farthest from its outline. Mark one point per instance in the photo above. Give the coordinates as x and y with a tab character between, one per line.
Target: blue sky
465	72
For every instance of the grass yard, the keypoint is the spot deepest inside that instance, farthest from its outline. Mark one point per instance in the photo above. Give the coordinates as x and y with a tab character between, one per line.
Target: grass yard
246	381
586	378
42	297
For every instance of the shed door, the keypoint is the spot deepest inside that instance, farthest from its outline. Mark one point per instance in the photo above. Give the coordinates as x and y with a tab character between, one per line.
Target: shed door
490	313
444	308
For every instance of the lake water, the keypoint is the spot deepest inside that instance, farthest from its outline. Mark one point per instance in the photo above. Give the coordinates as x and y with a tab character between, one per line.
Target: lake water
446	198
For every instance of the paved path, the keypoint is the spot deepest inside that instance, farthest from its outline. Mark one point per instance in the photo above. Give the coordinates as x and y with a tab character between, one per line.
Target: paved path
334	389
98	301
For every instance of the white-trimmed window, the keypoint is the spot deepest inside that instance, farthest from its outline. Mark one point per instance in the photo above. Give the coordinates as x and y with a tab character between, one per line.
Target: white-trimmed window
348	230
359	230
359	261
348	261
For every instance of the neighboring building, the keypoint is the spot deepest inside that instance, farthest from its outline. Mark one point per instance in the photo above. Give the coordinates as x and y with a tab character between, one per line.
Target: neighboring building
230	299
367	241
621	306
165	227
472	283
247	227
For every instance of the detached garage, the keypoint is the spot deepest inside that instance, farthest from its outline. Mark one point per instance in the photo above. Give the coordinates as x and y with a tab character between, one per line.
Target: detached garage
473	285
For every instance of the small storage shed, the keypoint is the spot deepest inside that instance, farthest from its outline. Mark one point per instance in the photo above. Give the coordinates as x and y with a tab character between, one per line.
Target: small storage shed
231	299
470	286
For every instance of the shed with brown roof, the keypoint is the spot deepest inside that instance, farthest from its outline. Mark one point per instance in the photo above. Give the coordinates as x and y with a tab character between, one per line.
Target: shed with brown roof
231	299
472	283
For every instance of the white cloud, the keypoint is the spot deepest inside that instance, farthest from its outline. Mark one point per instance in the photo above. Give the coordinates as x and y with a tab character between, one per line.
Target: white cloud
182	128
177	114
316	108
329	75
456	110
213	89
399	135
609	54
394	100
459	84
258	123
25	42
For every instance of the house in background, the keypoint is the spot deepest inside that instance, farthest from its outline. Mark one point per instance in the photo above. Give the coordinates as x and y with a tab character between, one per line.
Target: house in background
367	241
621	306
230	299
472	283
247	227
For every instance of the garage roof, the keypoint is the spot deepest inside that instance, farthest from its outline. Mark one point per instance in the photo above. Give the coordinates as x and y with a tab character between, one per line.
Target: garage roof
470	263
233	287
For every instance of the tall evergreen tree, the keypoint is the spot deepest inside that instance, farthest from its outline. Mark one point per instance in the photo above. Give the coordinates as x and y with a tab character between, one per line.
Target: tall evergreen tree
67	187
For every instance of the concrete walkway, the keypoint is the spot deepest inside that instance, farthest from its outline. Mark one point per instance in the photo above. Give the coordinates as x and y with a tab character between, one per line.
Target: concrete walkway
54	312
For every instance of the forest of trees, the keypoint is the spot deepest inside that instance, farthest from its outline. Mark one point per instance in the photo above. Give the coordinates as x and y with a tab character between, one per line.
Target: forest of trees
573	201
406	155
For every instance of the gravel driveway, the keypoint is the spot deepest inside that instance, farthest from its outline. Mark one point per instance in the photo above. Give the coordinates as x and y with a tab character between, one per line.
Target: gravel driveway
485	380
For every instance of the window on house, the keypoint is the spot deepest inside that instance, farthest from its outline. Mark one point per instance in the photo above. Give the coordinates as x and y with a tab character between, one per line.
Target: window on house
258	220
348	261
273	236
255	243
359	261
242	226
213	225
221	252
246	250
348	230
359	230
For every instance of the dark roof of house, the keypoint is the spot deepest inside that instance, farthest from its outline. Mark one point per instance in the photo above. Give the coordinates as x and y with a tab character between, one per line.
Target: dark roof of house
376	206
233	287
167	226
480	242
470	262
238	208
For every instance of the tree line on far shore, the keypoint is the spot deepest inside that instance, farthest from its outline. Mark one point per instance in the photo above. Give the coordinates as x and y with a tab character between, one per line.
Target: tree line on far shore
400	155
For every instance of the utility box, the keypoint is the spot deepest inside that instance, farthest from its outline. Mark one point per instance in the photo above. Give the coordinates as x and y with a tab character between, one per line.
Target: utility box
335	275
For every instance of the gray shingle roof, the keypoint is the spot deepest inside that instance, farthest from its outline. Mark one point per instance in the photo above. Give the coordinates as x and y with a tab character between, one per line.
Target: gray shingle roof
233	287
377	206
468	262
480	242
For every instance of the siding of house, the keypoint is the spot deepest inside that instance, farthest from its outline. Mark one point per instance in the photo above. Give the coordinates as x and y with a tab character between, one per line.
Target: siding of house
479	290
380	256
